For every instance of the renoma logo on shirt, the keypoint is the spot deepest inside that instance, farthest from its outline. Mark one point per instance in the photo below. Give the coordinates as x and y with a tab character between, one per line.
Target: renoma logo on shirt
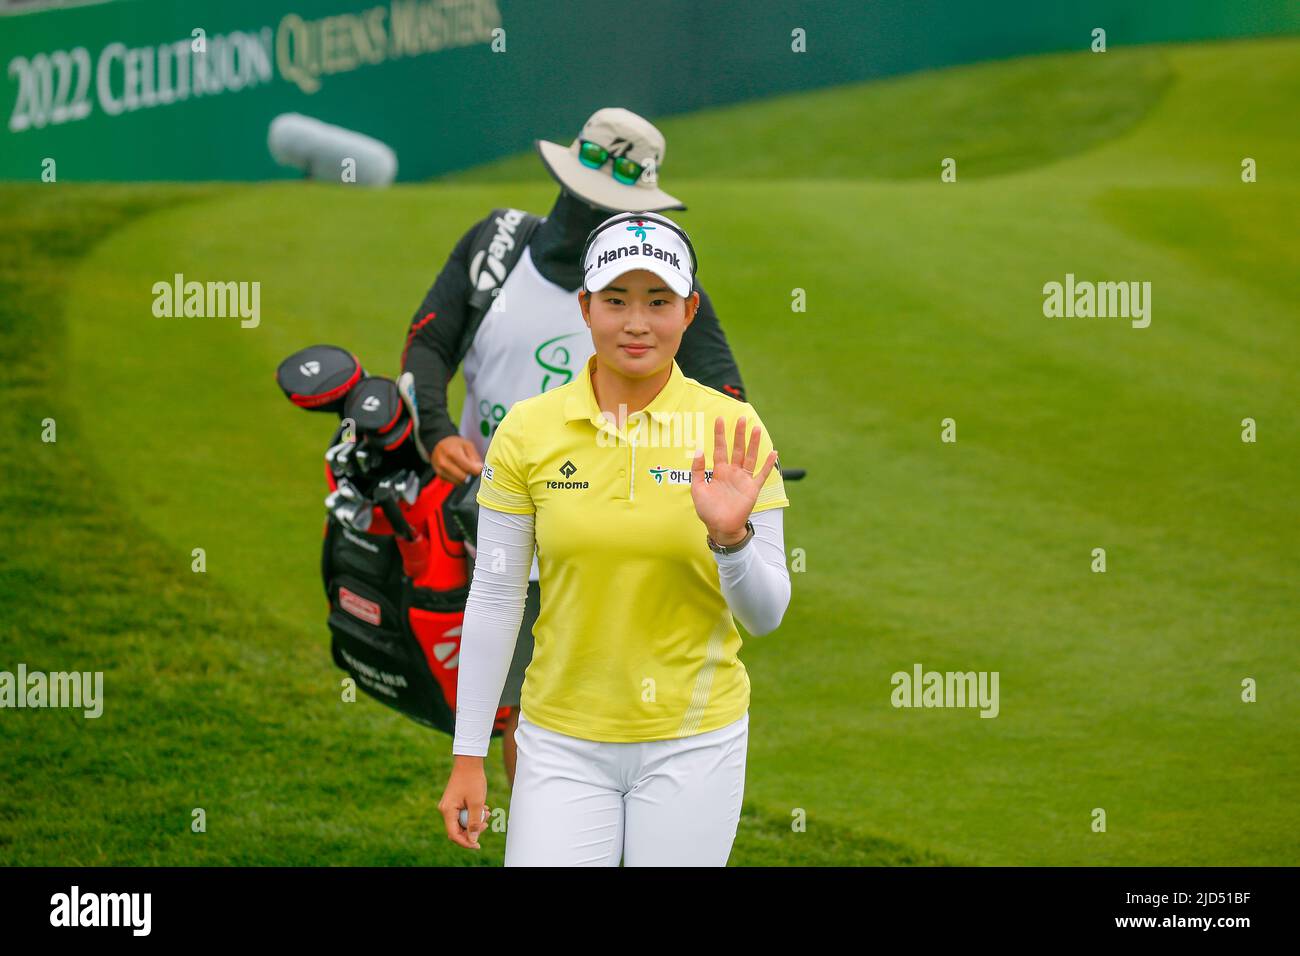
568	469
677	476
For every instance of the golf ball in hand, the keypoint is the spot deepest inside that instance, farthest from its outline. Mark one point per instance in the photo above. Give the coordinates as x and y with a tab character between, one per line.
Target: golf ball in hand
464	817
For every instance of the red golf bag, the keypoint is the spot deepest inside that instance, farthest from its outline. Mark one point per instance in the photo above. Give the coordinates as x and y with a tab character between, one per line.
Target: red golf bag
396	607
396	594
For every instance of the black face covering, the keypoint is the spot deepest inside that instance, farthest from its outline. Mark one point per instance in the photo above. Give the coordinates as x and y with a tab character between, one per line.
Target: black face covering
558	242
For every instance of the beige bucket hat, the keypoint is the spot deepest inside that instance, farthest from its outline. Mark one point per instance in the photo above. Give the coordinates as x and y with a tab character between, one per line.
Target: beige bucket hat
623	133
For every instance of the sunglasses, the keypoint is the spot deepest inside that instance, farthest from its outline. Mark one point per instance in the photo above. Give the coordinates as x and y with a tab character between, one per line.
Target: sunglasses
624	170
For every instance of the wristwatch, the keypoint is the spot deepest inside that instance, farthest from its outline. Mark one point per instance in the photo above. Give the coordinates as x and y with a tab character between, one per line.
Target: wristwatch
731	548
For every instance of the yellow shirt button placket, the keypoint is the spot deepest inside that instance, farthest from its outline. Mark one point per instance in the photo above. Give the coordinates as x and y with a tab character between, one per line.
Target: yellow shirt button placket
633	429
619	438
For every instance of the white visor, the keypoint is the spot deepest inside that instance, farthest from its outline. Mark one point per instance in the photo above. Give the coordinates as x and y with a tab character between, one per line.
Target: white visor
629	245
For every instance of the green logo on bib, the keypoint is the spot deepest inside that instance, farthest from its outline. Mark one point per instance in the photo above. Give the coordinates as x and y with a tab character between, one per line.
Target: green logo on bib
489	417
556	361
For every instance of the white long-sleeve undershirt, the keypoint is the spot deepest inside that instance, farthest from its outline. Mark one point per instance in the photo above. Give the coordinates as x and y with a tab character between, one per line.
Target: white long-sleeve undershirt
755	580
755	583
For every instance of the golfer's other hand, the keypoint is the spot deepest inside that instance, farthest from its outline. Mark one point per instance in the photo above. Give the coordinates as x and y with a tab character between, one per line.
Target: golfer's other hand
455	459
466	790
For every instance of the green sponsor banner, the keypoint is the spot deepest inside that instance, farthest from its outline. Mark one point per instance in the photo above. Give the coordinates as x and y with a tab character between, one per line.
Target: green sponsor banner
151	89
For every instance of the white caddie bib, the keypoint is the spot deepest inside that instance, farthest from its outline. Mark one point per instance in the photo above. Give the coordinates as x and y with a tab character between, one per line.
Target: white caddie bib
531	340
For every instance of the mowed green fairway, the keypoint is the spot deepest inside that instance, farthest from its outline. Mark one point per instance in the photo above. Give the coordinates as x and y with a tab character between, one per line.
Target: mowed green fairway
1119	691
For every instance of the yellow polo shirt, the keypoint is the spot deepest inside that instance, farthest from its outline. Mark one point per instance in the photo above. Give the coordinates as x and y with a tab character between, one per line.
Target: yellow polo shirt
634	640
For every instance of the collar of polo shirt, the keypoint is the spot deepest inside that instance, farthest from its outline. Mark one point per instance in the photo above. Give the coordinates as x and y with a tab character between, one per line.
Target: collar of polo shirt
582	403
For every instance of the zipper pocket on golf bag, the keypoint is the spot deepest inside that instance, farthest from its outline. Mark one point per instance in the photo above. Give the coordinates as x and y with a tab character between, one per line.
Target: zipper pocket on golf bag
370	638
399	638
370	641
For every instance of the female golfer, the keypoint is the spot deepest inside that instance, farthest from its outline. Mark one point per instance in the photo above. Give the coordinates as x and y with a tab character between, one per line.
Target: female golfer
651	540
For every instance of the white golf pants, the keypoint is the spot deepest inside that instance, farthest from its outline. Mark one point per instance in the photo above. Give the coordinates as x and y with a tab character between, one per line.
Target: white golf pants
660	803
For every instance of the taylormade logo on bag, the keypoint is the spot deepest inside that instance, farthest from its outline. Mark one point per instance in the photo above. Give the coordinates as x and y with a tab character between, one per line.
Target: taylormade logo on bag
488	268
360	542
